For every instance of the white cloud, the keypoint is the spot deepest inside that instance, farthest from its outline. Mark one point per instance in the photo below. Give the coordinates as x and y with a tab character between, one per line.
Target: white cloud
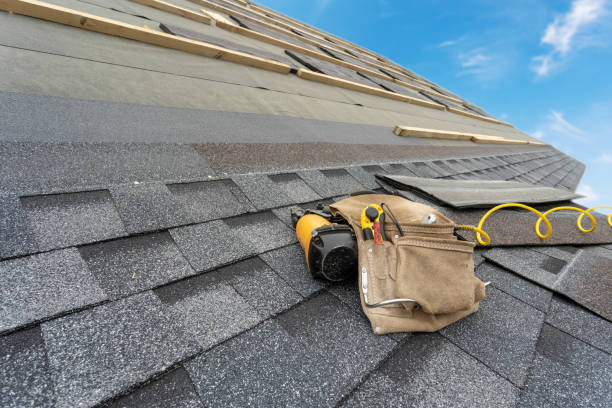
589	194
473	60
447	43
559	125
604	158
561	32
556	129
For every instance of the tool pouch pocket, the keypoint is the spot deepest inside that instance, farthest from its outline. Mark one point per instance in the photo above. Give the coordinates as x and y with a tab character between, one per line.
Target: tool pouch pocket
418	279
437	273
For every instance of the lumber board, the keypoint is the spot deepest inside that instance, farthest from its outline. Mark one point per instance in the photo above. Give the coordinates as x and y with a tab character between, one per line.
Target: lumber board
342	83
79	19
171	8
218	17
497	140
411	131
480	117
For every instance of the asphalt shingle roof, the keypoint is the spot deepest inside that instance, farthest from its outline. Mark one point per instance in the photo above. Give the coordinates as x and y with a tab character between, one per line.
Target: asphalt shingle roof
147	256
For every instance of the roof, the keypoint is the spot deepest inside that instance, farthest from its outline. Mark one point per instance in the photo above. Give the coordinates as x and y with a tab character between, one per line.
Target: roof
146	250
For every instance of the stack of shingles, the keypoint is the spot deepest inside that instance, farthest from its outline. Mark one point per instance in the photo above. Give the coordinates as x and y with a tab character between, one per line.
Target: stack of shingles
102	301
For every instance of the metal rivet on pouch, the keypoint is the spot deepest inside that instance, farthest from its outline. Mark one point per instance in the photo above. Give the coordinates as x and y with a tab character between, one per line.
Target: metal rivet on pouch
378	329
370	250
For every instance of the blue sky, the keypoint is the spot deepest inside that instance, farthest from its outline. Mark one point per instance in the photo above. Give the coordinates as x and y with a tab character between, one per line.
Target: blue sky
544	66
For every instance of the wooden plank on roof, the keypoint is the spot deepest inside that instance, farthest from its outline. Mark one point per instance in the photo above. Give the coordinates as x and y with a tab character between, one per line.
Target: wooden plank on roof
342	83
481	139
171	8
411	131
480	117
218	18
86	21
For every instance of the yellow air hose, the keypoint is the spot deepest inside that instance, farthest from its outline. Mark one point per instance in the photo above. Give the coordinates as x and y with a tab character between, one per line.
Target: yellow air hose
480	233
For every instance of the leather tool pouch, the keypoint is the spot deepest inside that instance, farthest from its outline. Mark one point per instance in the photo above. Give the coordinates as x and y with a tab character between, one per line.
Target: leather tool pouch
421	281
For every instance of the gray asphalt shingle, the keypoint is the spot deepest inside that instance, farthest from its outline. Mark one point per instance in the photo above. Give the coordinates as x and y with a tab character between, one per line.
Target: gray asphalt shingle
172	389
16	238
516	286
290	263
429	371
268	368
211	244
24	371
130	265
209	308
208	200
330	183
275	190
338	335
503	343
63	220
580	323
567	372
40	286
261	232
146	207
100	352
262	288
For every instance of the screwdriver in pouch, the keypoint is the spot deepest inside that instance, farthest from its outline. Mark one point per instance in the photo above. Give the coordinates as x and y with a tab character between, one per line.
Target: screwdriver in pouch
372	223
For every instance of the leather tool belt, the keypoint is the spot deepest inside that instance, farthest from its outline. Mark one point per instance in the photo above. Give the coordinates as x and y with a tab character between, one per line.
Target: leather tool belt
422	280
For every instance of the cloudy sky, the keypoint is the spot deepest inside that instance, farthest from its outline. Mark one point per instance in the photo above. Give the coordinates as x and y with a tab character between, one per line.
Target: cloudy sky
543	65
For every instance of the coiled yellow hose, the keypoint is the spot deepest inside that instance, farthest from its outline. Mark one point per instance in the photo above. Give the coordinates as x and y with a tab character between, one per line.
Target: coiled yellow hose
480	233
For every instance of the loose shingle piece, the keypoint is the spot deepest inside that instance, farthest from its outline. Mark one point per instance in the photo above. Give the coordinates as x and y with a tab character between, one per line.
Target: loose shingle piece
100	352
16	238
40	286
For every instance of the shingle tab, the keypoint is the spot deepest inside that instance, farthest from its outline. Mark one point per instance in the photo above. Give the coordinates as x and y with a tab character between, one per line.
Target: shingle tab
275	190
429	371
422	170
268	368
134	264
525	262
580	323
173	389
208	200
262	288
211	244
290	263
209	308
62	220
261	232
330	183
16	238
24	371
100	352
567	373
44	285
516	286
502	334
365	175
339	336
146	207
588	280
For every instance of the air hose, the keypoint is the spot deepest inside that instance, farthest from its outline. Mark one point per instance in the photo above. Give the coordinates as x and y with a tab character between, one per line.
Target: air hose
480	233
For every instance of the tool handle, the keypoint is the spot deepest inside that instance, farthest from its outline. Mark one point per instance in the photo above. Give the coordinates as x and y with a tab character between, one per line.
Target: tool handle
368	234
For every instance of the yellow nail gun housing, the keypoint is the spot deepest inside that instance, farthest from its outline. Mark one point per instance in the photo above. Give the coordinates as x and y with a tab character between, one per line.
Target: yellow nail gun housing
331	249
